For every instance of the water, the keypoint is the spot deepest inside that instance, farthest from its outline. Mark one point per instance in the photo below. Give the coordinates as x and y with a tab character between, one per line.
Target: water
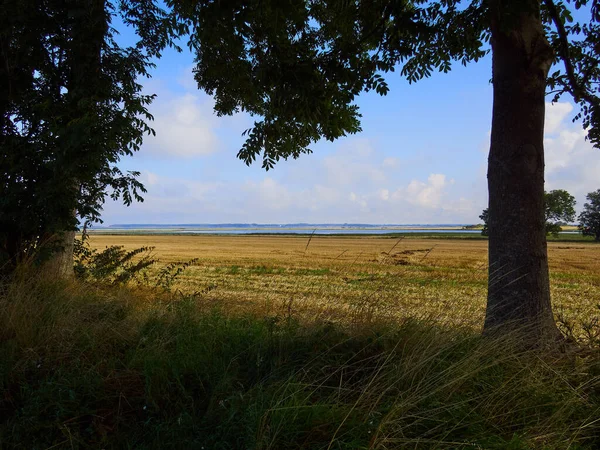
323	231
157	229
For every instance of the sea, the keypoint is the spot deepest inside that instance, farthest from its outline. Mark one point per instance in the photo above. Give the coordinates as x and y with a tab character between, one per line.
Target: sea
293	228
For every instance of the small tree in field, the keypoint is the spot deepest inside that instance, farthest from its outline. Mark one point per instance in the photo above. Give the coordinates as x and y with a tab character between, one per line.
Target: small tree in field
559	207
589	219
485	216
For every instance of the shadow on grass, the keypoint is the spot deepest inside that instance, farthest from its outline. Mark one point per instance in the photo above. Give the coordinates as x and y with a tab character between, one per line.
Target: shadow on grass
83	366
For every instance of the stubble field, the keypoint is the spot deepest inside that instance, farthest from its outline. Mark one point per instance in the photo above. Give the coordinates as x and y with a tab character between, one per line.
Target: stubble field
359	278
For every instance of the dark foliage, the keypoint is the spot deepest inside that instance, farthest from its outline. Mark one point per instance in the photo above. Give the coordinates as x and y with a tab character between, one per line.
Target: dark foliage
298	66
71	106
589	219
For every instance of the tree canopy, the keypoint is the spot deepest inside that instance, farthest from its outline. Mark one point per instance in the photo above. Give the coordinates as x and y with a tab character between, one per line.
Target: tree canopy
559	208
299	65
485	217
589	219
71	106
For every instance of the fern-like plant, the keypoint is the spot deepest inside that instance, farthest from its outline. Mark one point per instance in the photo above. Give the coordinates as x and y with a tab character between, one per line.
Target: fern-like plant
168	274
114	264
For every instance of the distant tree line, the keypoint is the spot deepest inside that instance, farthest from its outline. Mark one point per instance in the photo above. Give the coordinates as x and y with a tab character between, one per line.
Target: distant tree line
559	210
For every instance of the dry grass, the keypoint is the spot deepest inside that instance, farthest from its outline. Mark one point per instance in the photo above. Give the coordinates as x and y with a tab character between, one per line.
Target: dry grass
366	276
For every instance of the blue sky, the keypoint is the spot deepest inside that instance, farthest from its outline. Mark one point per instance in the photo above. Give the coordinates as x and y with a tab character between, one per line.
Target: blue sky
421	158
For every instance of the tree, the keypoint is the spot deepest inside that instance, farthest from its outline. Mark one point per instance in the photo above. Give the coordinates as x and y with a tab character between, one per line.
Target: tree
299	65
485	217
589	219
70	107
559	207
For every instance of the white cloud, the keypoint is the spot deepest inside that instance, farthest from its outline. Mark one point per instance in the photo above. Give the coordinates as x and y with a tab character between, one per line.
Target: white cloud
150	179
355	162
390	162
186	79
185	127
269	194
354	184
361	200
428	195
572	163
555	115
185	123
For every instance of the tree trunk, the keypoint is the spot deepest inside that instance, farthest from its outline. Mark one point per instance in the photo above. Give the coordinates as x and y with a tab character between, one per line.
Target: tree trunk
85	57
60	263
518	285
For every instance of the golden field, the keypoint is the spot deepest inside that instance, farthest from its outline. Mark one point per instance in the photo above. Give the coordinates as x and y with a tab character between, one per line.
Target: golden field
359	277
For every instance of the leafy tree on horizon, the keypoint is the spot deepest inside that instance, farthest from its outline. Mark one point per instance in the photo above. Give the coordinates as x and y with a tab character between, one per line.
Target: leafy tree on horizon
485	217
297	66
589	219
559	207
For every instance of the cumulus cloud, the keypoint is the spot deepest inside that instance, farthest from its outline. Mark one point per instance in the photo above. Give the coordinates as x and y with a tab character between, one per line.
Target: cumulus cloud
356	162
572	163
185	123
359	200
185	127
390	162
427	194
269	194
150	179
384	194
556	113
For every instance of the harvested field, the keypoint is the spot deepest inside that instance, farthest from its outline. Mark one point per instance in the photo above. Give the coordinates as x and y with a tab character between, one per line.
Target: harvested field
352	277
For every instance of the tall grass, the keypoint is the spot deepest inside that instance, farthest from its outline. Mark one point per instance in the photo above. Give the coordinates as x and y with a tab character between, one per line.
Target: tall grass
85	366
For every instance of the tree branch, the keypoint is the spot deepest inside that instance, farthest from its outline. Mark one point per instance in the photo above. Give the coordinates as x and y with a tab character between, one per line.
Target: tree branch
577	90
556	91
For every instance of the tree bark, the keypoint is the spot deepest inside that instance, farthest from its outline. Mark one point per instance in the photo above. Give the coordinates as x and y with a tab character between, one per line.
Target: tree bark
518	285
60	263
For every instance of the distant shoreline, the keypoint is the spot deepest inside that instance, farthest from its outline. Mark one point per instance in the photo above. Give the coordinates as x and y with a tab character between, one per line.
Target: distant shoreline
287	230
439	231
275	227
390	233
303	229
